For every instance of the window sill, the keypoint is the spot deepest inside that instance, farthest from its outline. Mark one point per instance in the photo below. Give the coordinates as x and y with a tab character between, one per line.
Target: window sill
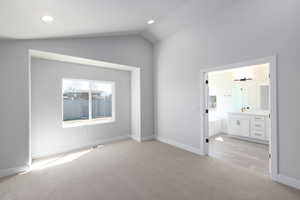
78	123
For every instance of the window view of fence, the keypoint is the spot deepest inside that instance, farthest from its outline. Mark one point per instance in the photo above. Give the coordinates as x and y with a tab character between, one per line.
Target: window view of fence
76	106
101	106
86	100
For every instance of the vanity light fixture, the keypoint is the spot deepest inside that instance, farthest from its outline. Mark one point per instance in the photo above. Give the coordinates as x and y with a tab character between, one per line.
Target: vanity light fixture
243	79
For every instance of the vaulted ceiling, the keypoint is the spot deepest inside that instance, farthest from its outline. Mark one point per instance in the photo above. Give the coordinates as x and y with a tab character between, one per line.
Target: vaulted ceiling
22	19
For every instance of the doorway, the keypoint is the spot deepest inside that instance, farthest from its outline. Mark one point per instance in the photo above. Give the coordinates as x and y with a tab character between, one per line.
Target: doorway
239	118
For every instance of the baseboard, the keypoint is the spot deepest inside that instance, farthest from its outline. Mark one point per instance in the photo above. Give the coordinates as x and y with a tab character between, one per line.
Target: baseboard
148	137
80	147
136	138
180	145
286	180
249	139
142	139
12	171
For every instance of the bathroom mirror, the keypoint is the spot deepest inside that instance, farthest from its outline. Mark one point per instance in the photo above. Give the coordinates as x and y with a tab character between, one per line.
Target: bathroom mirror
240	97
254	96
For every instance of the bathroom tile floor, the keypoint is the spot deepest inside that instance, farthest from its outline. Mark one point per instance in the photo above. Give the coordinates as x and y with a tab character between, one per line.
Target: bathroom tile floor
245	154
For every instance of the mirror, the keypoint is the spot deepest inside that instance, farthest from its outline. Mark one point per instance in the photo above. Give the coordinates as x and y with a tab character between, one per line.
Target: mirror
250	96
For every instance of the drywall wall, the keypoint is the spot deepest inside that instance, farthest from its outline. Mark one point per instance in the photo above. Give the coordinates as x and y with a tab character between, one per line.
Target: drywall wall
47	134
14	84
248	30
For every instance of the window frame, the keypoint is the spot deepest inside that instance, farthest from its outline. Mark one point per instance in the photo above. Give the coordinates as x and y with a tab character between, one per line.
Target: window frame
90	121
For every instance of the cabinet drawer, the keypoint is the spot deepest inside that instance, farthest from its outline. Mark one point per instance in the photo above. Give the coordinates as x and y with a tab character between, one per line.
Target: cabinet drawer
258	125
259	118
258	134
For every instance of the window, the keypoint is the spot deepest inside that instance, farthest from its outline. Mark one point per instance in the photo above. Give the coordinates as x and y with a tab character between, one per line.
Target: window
87	102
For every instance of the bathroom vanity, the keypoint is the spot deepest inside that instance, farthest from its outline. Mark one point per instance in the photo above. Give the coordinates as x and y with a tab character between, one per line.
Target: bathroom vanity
250	125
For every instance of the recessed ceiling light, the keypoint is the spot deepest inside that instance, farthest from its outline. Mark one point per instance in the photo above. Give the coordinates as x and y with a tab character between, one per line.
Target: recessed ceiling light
47	18
151	21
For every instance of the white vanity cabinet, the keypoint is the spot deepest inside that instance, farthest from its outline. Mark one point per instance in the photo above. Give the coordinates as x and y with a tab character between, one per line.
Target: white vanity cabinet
239	125
249	125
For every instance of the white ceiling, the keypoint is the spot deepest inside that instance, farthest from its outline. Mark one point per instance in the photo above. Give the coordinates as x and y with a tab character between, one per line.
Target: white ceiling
21	19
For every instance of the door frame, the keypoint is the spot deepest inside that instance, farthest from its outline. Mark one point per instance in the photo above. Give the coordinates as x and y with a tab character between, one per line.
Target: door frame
273	144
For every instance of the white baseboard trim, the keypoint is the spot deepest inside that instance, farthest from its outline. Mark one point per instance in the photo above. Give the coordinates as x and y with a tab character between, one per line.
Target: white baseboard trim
80	147
136	138
249	139
180	145
286	180
142	139
12	171
148	137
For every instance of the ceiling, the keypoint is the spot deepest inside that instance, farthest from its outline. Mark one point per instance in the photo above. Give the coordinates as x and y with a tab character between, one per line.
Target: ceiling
21	19
192	12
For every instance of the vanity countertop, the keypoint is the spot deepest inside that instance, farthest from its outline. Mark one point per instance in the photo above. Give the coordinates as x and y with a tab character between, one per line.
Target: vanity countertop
258	112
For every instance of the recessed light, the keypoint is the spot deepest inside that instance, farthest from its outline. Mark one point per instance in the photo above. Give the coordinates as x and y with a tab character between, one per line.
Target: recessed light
151	21
47	18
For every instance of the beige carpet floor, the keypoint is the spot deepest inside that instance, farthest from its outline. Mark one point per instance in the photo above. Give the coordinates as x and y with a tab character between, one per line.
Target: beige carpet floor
143	171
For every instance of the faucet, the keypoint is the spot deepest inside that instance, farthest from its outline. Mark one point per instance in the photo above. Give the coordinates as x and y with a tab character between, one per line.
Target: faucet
243	109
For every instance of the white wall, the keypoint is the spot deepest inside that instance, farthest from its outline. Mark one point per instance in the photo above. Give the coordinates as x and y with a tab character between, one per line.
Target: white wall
14	79
47	134
249	30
